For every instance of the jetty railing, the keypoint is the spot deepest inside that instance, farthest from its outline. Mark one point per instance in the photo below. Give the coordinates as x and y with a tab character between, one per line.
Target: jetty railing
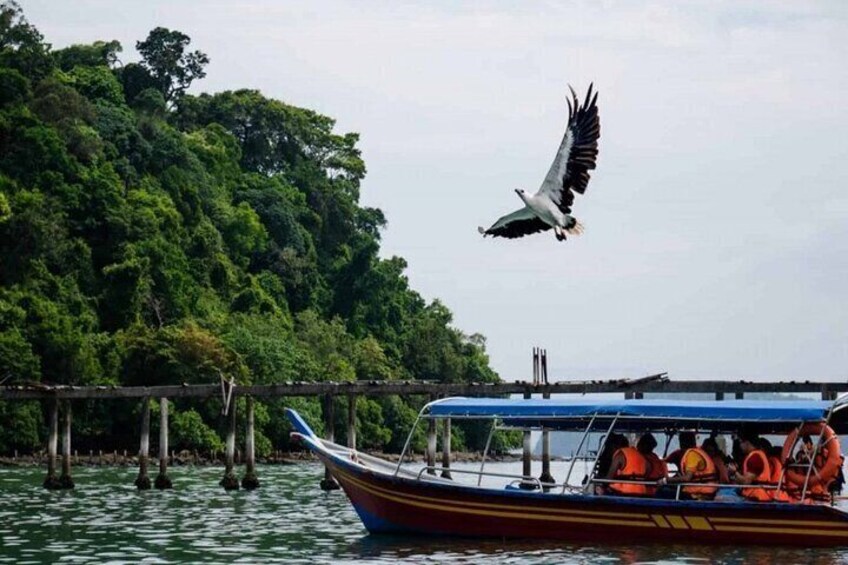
61	396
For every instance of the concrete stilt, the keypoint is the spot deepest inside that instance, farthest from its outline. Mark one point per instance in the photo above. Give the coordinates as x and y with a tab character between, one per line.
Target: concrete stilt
546	476
446	448
351	421
65	481
250	481
143	481
431	443
162	479
52	481
526	462
328	482
230	481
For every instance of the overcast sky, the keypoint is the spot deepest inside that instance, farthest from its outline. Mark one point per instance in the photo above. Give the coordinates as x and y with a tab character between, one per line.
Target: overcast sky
716	239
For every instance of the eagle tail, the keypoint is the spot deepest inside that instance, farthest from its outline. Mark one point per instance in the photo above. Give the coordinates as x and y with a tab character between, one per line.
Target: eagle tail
575	229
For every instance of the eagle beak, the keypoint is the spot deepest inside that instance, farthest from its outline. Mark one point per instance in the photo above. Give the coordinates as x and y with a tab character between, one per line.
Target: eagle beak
518	191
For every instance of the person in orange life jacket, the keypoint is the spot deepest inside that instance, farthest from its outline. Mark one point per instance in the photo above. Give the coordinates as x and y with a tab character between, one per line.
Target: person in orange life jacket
614	442
755	469
774	455
710	445
696	466
657	468
686	441
629	463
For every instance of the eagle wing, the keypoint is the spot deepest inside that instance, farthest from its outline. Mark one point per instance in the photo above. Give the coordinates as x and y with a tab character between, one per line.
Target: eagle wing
517	224
577	153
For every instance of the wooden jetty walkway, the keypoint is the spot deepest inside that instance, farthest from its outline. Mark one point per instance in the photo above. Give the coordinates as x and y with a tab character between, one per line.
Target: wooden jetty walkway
63	396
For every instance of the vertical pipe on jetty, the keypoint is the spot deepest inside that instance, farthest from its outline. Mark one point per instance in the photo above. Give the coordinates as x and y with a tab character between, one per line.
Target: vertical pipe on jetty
526	467
431	442
143	481
546	476
230	481
351	421
328	482
446	448
65	480
52	482
250	481
162	479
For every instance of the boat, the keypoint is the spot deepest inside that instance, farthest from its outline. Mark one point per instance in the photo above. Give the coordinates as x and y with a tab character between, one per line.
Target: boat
396	498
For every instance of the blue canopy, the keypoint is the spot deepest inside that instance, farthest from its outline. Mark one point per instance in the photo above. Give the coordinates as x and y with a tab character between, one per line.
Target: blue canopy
558	412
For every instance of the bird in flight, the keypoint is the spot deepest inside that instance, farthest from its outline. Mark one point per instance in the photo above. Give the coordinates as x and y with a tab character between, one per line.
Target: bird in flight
550	207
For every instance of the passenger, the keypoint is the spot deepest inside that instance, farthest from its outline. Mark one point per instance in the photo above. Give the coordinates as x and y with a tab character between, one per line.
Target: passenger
805	451
614	442
687	441
774	455
755	469
696	466
628	464
710	445
657	469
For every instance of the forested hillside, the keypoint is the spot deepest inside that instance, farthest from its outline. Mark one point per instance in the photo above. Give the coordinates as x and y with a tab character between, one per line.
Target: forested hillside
151	236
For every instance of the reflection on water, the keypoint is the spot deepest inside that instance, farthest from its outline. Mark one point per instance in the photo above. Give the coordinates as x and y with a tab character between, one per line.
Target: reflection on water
289	519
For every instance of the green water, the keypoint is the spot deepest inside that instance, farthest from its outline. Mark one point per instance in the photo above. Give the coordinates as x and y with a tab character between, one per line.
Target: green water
289	519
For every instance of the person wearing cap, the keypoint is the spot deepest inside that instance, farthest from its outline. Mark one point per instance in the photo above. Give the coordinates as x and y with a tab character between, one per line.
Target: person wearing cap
755	469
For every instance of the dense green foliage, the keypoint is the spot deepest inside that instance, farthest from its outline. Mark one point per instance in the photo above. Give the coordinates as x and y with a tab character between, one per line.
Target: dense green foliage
151	236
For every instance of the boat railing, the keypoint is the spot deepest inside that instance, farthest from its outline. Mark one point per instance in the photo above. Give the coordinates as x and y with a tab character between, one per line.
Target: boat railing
517	478
680	486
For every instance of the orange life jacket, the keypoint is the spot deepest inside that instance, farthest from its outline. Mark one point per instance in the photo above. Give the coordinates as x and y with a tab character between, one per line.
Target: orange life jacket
702	473
763	478
658	470
635	468
776	471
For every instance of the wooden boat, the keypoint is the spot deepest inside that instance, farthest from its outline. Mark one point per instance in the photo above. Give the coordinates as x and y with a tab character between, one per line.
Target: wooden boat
393	498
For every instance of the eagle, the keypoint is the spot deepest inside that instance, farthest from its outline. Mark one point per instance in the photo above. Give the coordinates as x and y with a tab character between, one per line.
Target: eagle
550	207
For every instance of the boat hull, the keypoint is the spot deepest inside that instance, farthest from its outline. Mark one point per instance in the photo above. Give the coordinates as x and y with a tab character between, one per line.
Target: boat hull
398	505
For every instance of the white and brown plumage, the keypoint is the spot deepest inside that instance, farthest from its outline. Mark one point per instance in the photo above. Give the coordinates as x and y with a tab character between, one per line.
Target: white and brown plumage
550	207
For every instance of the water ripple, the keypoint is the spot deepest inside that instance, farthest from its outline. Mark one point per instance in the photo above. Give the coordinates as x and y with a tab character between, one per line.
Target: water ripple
289	519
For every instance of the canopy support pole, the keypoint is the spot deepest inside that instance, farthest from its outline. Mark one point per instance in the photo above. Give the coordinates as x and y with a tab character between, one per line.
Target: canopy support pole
486	450
577	454
600	450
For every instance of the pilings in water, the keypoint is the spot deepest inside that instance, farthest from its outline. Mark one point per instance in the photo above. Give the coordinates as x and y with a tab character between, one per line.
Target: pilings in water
162	480
65	480
143	481
250	481
230	481
446	448
328	482
51	481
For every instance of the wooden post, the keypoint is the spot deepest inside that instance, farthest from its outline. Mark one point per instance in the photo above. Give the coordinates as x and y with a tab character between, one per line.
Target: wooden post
740	395
250	480
328	482
527	467
628	395
230	481
546	476
431	443
162	480
639	395
52	482
65	481
143	481
351	421
719	396
446	448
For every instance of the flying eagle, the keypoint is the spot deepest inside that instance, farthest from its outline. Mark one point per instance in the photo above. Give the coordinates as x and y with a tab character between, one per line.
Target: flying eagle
550	207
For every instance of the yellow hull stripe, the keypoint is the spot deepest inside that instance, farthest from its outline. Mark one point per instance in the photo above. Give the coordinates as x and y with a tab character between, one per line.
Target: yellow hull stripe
661	522
698	523
816	523
794	531
677	522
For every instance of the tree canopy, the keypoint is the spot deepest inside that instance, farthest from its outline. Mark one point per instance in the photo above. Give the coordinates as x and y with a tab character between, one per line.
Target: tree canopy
148	235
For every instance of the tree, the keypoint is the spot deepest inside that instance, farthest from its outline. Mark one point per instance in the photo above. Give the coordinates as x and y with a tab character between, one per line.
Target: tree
165	58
